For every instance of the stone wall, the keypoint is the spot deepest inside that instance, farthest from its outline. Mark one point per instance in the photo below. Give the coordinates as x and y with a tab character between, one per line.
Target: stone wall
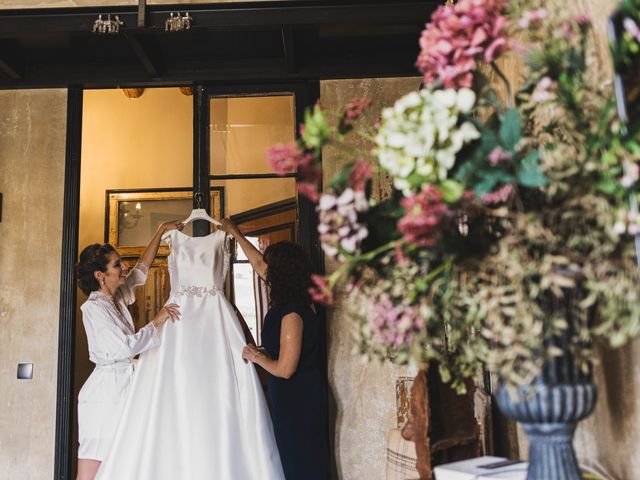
32	152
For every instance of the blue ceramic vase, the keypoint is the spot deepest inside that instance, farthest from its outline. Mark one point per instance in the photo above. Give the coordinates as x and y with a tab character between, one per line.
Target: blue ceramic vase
549	415
563	394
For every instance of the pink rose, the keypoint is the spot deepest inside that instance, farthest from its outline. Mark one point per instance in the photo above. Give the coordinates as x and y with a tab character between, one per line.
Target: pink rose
320	291
283	158
360	174
424	213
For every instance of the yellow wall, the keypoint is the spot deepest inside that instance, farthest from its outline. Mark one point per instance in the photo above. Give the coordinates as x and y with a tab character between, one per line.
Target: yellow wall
145	142
32	153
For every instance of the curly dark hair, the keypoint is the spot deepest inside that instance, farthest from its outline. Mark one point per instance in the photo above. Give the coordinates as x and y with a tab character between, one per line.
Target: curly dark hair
93	258
288	274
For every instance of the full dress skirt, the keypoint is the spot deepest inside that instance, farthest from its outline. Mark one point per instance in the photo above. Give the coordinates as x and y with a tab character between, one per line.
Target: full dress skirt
196	410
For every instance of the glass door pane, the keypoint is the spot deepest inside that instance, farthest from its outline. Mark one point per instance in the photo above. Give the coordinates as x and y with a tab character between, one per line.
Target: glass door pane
242	195
242	128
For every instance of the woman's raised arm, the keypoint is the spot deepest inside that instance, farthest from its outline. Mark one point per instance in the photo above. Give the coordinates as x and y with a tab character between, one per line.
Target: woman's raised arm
253	254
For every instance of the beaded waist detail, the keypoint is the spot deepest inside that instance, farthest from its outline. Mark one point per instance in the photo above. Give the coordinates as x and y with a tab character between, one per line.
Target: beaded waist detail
196	291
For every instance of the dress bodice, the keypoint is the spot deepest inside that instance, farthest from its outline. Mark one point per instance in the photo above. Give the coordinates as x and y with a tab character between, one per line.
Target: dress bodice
197	265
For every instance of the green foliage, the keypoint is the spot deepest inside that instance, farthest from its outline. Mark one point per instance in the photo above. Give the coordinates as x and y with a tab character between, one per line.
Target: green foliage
510	130
627	49
529	172
316	129
490	286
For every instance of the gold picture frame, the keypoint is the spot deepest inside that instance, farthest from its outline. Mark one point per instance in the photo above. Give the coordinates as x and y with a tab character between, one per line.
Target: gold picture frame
132	216
151	296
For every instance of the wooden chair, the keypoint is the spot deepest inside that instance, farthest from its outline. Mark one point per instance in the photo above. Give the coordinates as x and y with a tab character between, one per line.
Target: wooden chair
442	425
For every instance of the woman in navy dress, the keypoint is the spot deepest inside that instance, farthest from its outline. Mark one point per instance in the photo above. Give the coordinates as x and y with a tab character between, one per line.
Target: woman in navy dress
292	339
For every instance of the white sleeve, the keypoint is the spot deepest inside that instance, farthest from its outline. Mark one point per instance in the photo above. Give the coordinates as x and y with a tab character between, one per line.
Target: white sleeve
111	342
137	277
227	254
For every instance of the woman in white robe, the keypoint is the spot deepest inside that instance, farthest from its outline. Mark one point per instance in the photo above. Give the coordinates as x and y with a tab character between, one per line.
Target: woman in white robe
113	342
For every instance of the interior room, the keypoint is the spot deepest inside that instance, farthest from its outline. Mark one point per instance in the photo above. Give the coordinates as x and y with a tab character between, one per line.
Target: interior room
137	164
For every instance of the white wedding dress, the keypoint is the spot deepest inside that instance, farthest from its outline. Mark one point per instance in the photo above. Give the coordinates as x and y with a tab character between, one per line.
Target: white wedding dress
196	410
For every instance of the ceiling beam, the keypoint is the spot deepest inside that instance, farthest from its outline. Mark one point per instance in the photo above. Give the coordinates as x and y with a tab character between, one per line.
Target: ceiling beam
234	71
222	15
142	54
9	71
289	49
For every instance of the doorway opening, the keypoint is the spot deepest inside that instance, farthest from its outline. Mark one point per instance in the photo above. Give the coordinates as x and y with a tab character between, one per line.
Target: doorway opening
141	162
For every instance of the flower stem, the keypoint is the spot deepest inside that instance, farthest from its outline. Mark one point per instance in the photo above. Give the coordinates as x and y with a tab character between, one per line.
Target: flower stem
509	93
374	253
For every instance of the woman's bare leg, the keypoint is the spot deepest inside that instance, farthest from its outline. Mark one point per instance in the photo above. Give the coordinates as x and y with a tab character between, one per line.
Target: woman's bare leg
87	469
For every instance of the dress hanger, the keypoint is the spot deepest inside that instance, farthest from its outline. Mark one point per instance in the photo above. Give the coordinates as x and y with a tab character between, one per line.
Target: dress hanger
200	213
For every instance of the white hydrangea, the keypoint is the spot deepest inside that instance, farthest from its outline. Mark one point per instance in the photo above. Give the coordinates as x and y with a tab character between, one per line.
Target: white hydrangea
422	133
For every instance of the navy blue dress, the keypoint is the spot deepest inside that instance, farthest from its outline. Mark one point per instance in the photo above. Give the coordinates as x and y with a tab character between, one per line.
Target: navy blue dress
299	404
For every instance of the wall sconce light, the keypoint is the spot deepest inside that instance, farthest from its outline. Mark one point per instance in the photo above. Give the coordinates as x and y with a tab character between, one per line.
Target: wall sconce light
107	26
128	219
176	23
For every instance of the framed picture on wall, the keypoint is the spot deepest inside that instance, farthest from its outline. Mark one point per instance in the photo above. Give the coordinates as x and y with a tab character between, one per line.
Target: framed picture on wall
132	216
131	219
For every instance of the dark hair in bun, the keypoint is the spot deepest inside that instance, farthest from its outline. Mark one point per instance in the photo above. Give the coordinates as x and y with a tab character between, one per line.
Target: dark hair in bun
93	258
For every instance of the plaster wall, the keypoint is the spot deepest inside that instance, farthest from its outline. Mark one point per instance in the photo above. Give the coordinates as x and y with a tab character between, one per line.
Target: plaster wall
32	153
610	436
364	399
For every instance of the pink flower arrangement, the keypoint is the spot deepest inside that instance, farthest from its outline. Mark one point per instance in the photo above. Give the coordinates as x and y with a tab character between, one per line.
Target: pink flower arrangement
309	190
544	91
500	195
498	155
284	158
532	17
289	158
424	213
354	109
632	28
581	20
361	173
457	36
320	291
392	324
631	174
